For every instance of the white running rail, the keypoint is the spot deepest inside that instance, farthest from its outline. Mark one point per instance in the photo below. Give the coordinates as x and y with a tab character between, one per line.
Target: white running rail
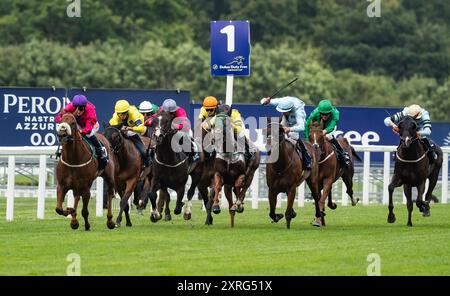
45	152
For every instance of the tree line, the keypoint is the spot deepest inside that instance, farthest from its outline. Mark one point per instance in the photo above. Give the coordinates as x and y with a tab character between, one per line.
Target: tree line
335	49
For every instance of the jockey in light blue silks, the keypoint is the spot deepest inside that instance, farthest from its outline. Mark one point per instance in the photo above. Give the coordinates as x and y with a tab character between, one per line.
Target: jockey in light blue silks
423	121
293	121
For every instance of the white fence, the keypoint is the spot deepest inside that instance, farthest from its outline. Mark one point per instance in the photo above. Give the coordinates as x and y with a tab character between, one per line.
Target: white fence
44	152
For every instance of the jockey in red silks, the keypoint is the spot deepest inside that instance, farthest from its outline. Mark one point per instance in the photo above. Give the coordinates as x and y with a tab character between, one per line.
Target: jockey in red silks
180	122
86	117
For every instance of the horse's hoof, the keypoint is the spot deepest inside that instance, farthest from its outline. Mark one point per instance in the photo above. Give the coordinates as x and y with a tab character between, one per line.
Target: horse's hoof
426	213
129	224
288	225
153	219
187	216
178	208
294	214
111	224
216	209
409	224
316	223
354	203
240	209
87	227
75	226
168	217
391	218
117	225
59	211
332	206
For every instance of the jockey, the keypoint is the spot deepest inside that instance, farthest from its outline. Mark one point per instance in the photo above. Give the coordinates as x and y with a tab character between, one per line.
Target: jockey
327	113
86	117
293	121
133	122
422	119
209	108
149	110
181	123
209	119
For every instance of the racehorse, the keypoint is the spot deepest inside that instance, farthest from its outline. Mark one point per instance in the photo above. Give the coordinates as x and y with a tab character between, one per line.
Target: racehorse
128	167
284	171
412	168
330	169
230	169
77	168
170	169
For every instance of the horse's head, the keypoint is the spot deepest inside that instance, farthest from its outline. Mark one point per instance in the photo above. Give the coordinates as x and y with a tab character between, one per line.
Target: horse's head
316	135
67	128
407	131
162	126
274	133
114	135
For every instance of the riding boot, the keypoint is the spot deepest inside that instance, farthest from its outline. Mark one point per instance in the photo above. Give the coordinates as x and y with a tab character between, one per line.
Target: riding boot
141	148
343	156
305	154
248	155
193	155
101	156
430	150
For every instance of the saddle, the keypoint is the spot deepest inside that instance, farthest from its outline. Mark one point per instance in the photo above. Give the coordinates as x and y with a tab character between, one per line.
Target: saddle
92	148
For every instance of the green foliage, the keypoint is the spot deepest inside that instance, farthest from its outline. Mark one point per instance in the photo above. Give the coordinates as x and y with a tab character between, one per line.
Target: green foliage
331	45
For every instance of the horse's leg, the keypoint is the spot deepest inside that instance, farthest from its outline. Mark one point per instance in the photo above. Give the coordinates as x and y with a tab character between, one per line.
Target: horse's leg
347	177
155	186
314	187
231	206
331	204
188	208
396	182
423	206
218	183
273	204
124	207
85	212
164	201
432	181
407	189
73	212
207	202
60	193
240	189
290	213
109	216
328	184
179	205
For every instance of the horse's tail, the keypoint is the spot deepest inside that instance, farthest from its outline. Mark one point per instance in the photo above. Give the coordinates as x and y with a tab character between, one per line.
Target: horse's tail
355	154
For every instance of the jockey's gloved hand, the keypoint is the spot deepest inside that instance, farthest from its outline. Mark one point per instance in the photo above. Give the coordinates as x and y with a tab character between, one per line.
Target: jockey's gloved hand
265	101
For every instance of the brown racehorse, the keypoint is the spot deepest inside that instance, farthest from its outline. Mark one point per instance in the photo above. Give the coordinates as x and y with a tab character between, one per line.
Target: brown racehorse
77	169
330	170
230	170
412	169
284	171
128	167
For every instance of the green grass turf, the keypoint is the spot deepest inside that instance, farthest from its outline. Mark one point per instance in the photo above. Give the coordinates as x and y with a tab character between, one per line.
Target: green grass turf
254	247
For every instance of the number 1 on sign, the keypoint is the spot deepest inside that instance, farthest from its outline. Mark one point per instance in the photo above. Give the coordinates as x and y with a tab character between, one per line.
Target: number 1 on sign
229	31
